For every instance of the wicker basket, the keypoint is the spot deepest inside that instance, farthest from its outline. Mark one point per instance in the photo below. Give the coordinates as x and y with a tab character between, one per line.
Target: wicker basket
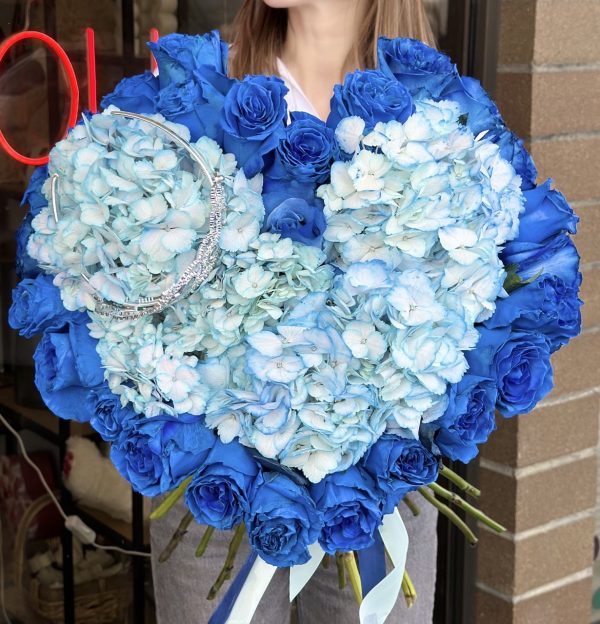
102	601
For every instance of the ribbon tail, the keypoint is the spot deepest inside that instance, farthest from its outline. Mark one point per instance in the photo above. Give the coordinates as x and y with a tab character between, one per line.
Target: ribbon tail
301	574
250	584
380	601
252	591
371	564
223	611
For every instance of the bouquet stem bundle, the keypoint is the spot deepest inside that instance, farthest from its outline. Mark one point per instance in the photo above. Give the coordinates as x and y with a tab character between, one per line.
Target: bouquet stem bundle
349	560
408	589
346	562
204	541
466	507
227	568
411	505
177	537
460	483
170	500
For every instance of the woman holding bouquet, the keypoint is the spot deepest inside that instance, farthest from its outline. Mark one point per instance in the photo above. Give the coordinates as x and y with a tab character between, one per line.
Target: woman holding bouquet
311	45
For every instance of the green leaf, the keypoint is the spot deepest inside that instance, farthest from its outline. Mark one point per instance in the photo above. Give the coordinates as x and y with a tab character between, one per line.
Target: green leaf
513	279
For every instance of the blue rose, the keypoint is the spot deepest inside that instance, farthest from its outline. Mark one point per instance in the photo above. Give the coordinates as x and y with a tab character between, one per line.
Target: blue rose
371	95
547	213
283	520
556	257
136	94
66	368
295	218
469	419
513	149
421	69
37	306
306	152
548	305
33	195
482	114
253	119
178	103
399	465
196	103
519	364
25	265
156	454
351	505
218	493
178	56
107	415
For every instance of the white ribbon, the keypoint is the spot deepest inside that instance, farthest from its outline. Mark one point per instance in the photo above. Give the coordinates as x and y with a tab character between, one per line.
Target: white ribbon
376	605
380	601
301	574
256	584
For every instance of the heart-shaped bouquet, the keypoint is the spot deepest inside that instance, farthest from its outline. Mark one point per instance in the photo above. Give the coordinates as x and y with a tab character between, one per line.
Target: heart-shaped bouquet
291	320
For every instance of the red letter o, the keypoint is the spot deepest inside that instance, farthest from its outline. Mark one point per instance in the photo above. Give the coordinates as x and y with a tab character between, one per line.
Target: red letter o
74	89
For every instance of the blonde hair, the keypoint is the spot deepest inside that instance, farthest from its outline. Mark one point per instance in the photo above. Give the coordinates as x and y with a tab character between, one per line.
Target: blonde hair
260	31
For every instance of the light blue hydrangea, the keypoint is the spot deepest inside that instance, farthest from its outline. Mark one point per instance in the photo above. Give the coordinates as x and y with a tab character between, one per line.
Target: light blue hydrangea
306	355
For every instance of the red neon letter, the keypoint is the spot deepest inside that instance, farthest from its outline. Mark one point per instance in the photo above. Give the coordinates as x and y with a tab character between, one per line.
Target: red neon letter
153	37
91	69
73	88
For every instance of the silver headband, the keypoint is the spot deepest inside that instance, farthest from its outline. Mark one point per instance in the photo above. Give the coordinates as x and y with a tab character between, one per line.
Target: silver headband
207	254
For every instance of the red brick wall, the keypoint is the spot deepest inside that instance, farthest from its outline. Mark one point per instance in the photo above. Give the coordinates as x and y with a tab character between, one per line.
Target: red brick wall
538	473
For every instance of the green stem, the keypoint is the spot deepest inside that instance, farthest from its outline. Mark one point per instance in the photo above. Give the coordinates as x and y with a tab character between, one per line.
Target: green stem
340	570
411	505
410	593
227	568
170	500
177	537
450	514
353	575
461	484
204	541
455	499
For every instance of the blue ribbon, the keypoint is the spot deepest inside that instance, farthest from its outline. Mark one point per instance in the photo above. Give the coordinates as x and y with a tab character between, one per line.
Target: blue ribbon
371	564
222	612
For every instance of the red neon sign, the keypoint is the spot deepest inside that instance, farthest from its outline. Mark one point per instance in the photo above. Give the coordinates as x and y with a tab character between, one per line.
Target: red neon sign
153	38
90	49
92	99
71	78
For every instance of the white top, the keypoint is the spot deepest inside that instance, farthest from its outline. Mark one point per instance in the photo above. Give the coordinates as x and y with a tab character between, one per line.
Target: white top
296	98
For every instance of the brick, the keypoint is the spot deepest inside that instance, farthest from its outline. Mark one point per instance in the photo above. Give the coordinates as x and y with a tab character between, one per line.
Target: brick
569	604
502	446
515	567
490	608
514	100
563	102
572	162
590	295
546	433
587	233
577	366
567	31
529	501
517	24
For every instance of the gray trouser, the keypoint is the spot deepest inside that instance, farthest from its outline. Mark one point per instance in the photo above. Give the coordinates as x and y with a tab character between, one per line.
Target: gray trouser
182	582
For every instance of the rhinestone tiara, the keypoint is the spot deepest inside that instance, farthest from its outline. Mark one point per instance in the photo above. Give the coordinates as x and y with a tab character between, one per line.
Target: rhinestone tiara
207	255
